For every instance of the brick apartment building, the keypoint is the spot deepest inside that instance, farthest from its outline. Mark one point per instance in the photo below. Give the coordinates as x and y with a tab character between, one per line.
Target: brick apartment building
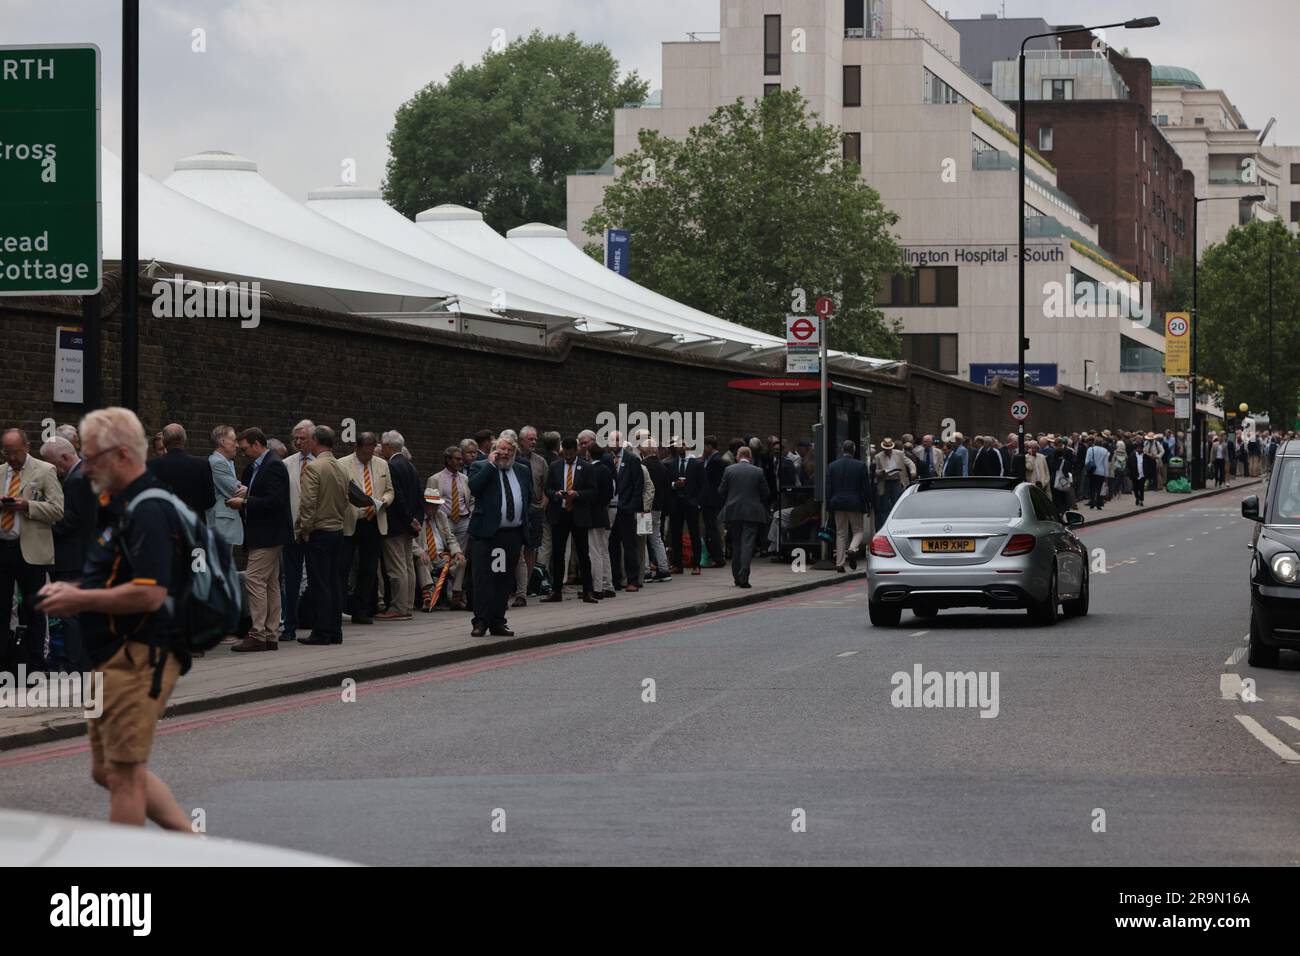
1090	114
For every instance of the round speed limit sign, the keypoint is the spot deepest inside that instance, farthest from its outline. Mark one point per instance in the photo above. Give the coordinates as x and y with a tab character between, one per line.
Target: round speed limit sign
1177	326
1020	409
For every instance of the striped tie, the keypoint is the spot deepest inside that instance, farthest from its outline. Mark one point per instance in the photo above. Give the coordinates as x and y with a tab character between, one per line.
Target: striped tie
568	478
429	542
368	513
9	517
303	470
455	499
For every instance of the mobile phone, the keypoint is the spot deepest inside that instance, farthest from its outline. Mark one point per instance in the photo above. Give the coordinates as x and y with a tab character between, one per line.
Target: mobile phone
7	500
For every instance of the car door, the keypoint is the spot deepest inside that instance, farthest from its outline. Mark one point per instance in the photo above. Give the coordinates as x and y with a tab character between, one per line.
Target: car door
1065	547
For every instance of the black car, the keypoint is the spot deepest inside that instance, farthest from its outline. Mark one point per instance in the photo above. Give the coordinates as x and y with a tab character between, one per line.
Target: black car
1275	566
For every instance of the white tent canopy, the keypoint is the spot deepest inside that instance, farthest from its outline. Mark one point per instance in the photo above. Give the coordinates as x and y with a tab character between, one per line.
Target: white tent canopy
231	184
186	234
465	229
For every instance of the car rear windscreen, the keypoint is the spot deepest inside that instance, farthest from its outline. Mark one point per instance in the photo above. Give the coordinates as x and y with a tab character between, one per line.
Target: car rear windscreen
958	503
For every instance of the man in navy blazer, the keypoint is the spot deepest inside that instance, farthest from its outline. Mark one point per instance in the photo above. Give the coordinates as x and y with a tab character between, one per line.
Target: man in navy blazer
187	476
268	527
502	490
629	484
848	497
570	491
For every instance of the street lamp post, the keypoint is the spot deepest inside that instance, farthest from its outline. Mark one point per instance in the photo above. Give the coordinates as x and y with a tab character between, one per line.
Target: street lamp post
1195	460
1135	24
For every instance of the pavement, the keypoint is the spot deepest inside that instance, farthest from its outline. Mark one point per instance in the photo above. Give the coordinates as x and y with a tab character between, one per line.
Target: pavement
770	732
385	649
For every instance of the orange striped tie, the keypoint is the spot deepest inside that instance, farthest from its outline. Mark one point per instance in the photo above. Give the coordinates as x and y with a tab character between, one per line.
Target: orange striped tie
303	470
568	478
429	541
8	519
455	499
370	491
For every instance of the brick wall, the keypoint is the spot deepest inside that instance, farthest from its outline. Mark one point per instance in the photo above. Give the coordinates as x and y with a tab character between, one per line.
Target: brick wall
438	387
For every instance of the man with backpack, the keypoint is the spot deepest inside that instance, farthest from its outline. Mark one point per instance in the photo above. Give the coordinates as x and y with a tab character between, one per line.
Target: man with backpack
136	582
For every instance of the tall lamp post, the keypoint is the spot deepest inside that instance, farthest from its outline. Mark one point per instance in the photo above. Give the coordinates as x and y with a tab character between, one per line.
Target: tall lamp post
1197	461
1135	24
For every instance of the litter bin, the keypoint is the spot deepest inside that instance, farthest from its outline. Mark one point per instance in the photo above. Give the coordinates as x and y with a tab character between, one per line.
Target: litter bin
1174	469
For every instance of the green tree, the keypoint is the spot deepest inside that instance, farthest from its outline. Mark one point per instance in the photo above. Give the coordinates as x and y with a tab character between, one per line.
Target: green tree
1234	317
501	136
753	205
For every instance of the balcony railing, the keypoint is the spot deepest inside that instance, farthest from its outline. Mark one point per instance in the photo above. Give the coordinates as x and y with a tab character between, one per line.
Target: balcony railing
996	159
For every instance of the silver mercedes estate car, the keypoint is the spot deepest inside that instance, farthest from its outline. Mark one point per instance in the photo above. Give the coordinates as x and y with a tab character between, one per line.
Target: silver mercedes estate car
976	542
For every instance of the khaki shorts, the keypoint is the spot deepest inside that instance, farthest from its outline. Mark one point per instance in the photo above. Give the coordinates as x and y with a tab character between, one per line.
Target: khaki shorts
123	733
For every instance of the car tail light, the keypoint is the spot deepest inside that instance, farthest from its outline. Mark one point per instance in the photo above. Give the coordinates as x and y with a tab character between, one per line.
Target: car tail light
881	547
1019	544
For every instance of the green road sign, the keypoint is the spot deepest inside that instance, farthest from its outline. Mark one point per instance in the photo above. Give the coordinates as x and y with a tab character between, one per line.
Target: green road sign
49	170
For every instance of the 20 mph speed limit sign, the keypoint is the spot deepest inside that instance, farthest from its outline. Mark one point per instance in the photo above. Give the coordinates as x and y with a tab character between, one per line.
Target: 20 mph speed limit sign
1020	410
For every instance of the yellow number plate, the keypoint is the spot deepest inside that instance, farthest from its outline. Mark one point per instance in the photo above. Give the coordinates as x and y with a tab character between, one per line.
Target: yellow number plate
947	545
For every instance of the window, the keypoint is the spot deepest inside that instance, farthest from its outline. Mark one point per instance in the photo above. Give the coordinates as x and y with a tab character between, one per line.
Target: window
925	286
772	45
1162	119
855	18
853	148
936	351
1295	173
770	88
1295	211
1044	138
979	145
853	86
1136	357
1058	89
936	91
1199	121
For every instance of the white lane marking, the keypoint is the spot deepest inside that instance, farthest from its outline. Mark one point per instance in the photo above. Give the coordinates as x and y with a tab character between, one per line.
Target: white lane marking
1230	688
1218	528
1293	722
1235	657
1205	532
1267	739
1189	539
846	654
1151	554
919	634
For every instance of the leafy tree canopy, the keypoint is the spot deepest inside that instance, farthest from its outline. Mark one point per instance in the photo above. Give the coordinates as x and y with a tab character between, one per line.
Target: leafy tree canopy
501	136
752	207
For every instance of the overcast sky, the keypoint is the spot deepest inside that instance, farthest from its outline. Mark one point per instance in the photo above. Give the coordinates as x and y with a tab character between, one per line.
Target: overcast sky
301	85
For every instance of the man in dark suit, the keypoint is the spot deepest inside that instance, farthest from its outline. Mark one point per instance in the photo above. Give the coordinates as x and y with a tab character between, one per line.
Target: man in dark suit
658	554
569	492
987	462
1008	453
404	519
744	509
1141	471
268	527
848	497
73	535
602	479
501	488
629	486
187	476
710	502
687	483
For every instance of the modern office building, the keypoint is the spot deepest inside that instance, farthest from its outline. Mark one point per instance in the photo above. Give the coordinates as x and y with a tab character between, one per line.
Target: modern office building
941	151
1220	148
1287	160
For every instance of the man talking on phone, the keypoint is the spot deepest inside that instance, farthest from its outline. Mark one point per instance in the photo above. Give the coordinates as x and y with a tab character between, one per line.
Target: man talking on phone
502	490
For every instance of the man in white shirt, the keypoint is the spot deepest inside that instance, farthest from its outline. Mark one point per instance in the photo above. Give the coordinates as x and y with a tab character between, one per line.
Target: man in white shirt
292	557
1095	463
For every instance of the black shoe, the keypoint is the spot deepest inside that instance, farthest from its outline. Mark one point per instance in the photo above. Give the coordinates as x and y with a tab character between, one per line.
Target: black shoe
589	598
316	640
853	562
662	577
608	593
743	584
839	569
502	632
555	598
478	632
362	619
